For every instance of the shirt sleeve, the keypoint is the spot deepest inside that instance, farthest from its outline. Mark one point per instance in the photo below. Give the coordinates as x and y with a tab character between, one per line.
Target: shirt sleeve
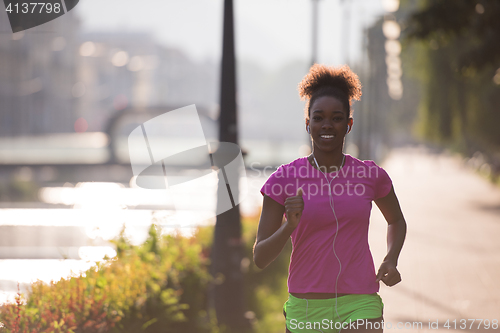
275	185
383	183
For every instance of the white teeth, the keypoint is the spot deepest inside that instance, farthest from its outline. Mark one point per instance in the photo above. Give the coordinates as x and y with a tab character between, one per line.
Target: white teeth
327	136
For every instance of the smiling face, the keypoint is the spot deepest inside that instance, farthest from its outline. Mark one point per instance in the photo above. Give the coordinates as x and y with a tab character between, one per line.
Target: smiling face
328	121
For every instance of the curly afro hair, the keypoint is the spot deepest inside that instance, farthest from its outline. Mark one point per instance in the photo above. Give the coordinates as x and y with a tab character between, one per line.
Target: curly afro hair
339	82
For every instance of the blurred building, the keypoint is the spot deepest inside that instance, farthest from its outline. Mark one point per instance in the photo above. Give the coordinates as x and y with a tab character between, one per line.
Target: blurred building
37	73
53	79
129	69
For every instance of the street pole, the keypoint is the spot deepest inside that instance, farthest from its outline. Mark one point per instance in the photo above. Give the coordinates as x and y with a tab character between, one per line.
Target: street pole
345	30
314	39
227	251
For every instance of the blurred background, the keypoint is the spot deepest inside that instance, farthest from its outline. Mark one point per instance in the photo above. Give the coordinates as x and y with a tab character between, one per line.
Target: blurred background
73	89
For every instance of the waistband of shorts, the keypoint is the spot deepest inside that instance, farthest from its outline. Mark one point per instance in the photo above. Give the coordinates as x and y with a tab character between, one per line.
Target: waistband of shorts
317	303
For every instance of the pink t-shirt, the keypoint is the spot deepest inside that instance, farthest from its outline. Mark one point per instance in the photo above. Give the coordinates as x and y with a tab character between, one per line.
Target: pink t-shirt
313	265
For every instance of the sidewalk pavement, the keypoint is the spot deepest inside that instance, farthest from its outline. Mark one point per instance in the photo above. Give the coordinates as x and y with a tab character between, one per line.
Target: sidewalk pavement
450	263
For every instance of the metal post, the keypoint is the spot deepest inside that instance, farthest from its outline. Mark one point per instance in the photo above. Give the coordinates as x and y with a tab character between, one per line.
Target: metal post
314	39
227	252
345	31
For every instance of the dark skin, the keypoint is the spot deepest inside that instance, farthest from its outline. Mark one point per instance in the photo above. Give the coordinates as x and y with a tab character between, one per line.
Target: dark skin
328	116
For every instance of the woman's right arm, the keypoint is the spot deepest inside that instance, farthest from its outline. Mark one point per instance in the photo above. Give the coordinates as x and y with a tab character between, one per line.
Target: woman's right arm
272	234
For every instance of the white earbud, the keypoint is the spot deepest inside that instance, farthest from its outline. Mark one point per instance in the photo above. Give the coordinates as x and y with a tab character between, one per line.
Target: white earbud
308	129
348	128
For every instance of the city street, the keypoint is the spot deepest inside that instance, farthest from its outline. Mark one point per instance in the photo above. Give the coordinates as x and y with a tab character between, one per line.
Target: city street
451	258
450	262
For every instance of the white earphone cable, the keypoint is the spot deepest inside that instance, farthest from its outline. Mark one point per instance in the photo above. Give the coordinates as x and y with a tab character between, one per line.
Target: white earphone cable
336	219
337	230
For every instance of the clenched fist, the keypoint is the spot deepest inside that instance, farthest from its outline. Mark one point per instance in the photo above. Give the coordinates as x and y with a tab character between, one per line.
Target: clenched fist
388	273
293	208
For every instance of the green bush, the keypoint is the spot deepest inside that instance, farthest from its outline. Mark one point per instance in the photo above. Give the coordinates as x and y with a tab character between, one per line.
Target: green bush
160	286
157	287
266	290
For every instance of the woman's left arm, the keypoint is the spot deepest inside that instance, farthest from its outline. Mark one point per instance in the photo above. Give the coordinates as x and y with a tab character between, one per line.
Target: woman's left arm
396	232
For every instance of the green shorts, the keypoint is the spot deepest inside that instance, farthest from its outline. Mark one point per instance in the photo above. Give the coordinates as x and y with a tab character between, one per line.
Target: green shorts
319	315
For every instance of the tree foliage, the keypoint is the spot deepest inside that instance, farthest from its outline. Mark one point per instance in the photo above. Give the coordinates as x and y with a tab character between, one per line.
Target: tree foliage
474	22
455	48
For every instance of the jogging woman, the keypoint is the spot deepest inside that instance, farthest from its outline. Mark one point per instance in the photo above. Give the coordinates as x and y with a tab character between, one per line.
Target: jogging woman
326	198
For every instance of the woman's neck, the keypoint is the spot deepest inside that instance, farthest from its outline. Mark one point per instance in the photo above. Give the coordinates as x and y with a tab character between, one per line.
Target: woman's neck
327	162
